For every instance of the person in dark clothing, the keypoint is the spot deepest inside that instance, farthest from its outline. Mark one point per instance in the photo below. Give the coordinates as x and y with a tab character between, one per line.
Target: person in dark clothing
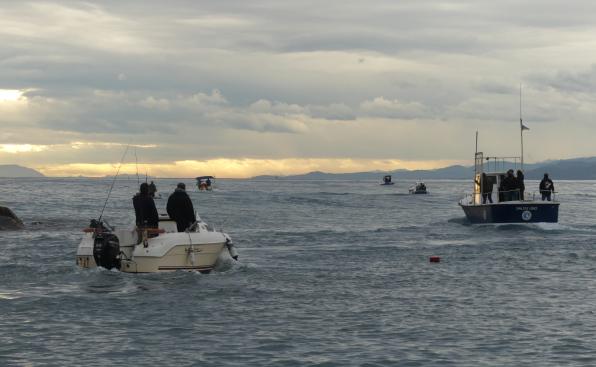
152	189
180	208
546	187
521	186
508	187
208	182
487	188
145	211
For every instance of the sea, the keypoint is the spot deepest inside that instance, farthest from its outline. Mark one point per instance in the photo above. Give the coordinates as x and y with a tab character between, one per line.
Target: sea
331	273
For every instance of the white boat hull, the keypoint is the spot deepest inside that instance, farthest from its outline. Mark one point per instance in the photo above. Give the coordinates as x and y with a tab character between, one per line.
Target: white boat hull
170	251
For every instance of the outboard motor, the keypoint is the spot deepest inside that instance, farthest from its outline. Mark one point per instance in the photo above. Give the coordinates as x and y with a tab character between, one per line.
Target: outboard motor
106	246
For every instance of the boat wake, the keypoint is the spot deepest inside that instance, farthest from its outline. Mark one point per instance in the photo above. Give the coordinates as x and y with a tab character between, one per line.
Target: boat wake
460	220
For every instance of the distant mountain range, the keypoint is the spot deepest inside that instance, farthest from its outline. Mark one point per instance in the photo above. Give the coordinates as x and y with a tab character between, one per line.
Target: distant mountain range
13	170
568	169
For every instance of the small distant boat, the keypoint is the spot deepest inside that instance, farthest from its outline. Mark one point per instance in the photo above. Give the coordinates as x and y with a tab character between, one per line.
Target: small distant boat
9	220
205	183
387	180
418	188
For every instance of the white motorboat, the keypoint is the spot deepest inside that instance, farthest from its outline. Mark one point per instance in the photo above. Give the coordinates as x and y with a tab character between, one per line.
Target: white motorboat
205	183
418	188
153	250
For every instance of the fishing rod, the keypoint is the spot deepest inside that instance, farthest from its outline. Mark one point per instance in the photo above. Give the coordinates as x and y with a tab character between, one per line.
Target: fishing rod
137	165
113	182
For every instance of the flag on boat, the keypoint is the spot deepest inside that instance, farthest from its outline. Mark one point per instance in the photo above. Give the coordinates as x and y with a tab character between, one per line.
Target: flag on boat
523	127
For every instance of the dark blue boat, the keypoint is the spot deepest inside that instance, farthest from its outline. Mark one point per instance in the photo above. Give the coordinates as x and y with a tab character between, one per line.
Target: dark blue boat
527	211
514	206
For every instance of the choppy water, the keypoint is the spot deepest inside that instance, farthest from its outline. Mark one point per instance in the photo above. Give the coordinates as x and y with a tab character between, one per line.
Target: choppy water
331	274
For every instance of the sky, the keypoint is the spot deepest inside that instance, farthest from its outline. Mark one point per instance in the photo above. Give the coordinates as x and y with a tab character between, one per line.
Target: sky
237	88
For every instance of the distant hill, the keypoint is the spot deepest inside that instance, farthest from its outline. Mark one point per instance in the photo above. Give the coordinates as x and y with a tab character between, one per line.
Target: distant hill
568	169
13	170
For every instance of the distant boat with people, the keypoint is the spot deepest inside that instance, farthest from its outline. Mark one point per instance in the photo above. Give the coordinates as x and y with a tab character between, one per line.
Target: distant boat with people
387	180
418	188
205	183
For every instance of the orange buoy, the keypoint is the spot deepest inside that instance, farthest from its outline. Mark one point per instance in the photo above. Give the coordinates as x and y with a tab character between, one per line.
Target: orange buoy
434	259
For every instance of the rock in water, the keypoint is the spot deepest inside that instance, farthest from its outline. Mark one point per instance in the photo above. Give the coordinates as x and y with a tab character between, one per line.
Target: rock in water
9	220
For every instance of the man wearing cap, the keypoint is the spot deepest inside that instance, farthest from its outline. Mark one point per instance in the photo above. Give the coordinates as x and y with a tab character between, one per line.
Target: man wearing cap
180	208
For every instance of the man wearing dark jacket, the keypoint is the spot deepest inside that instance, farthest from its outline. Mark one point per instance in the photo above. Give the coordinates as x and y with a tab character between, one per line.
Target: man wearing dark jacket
180	208
508	186
145	211
546	187
520	184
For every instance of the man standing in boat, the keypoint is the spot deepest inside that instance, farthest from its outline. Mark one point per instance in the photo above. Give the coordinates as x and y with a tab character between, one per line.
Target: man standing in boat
486	187
152	189
145	211
180	208
520	184
546	187
508	187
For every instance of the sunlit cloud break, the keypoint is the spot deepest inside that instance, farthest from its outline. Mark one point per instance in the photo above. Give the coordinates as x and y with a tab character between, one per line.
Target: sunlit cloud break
238	168
22	148
10	95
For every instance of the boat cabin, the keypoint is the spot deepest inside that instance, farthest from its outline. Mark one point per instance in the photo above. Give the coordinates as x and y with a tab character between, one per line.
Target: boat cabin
493	180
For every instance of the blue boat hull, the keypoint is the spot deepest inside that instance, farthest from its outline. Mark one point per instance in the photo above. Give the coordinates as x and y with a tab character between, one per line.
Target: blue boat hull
513	212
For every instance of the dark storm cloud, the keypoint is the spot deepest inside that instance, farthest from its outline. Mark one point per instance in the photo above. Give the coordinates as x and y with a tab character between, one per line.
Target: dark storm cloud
583	81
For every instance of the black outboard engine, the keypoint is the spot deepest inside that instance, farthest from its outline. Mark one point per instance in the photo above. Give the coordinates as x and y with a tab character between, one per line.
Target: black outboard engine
106	246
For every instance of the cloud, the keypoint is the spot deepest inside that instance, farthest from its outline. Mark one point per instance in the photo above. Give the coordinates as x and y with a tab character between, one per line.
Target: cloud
22	148
381	107
333	111
304	80
581	81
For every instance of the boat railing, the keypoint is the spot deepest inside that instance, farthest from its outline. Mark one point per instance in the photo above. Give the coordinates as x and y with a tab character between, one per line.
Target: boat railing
508	195
537	196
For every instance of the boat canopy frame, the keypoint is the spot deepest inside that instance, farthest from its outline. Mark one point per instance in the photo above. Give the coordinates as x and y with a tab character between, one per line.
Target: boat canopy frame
500	165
